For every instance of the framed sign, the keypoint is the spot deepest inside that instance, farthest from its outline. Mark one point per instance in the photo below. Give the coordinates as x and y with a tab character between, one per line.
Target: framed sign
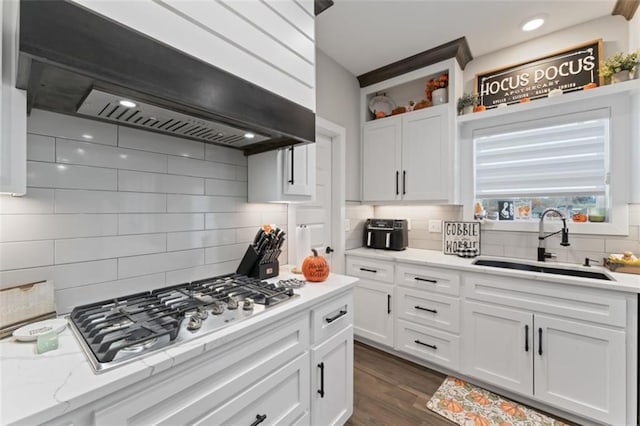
569	70
460	235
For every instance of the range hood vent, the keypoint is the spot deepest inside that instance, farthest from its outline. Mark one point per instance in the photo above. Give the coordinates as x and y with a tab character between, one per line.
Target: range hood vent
76	62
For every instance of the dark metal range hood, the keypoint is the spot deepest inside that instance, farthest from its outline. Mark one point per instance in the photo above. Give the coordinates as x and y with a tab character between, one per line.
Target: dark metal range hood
73	61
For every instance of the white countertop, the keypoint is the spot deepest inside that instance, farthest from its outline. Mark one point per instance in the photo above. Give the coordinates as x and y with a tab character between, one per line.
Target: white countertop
37	388
623	282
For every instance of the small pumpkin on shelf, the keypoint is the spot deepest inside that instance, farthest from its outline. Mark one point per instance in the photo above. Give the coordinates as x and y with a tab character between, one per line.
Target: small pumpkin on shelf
315	268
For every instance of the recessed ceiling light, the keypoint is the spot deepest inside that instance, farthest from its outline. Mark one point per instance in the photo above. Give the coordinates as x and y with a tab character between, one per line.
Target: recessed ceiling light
249	135
533	23
87	136
127	103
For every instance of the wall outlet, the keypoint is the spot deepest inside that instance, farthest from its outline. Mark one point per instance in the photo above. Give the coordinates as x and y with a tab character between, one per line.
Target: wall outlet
435	225
408	224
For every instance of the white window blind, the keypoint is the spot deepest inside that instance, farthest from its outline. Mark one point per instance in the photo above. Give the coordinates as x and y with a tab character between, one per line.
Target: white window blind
566	156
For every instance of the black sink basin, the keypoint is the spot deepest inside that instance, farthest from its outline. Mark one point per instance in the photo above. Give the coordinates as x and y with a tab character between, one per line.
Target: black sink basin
545	269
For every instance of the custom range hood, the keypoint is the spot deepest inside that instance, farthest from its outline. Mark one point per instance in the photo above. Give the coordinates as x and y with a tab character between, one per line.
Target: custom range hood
73	61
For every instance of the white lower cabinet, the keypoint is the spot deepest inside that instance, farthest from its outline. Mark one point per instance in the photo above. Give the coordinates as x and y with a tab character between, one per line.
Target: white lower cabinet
332	380
373	315
571	365
432	345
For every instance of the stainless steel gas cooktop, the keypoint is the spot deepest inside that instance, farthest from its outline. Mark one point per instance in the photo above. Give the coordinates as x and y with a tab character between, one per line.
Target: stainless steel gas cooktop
116	331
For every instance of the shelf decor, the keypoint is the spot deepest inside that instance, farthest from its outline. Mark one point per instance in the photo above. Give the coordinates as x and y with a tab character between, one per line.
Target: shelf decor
436	90
619	67
466	103
568	70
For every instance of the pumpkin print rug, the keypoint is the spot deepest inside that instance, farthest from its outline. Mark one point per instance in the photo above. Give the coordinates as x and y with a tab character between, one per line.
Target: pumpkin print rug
469	405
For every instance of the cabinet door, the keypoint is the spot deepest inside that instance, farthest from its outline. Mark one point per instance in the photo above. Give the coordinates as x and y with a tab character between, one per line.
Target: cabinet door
373	316
498	346
300	170
332	380
581	367
381	151
425	158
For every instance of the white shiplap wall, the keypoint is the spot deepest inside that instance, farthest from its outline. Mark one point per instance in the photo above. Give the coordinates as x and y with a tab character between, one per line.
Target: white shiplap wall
270	43
127	211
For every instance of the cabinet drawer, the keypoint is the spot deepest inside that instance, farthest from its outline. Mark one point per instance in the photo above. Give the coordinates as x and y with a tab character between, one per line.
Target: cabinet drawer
331	317
588	304
280	398
425	278
210	380
430	309
378	270
429	344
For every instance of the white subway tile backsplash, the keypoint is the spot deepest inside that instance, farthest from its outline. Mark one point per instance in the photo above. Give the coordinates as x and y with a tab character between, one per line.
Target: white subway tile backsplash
156	142
620	246
224	253
192	167
159	222
156	182
82	273
241	173
69	298
91	154
200	203
277	218
50	175
246	235
232	220
84	249
198	239
65	126
25	254
51	226
81	201
17	277
41	148
223	154
199	272
161	262
36	201
226	187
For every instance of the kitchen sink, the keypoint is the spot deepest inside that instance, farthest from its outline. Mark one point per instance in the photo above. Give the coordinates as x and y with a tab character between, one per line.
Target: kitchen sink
556	270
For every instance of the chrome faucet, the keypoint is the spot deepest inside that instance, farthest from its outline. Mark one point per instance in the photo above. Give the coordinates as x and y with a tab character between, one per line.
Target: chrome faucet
542	250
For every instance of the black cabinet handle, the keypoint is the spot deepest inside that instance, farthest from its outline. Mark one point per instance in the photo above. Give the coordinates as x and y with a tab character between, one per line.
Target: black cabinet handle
425	280
526	338
426	309
397	182
291	180
434	347
388	303
321	390
259	419
404	182
540	341
338	315
368	270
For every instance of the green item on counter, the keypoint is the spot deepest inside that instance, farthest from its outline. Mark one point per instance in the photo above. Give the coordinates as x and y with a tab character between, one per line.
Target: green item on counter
47	342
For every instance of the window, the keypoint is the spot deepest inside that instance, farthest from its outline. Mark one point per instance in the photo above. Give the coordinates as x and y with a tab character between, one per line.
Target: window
518	172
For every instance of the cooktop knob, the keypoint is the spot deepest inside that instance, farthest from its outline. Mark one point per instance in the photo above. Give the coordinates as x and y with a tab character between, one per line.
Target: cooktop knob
217	308
232	303
248	304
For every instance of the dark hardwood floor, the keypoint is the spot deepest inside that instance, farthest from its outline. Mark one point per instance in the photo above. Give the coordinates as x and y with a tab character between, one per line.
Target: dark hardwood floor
389	391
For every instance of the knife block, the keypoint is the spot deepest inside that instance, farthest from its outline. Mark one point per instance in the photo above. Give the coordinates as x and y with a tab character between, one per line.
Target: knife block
248	262
252	265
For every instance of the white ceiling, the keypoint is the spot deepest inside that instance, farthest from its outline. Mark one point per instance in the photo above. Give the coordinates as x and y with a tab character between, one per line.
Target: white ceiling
363	35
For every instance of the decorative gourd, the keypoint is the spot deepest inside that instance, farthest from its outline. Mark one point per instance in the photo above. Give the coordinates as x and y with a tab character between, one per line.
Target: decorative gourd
315	268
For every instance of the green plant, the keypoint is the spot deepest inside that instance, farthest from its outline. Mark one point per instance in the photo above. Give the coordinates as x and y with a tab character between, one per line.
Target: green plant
467	100
619	62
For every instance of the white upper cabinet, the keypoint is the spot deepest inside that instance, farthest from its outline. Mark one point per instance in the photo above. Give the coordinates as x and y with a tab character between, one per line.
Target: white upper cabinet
270	44
13	108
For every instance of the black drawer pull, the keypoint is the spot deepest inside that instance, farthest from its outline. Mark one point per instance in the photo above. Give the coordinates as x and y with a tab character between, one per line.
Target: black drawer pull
425	344
368	270
388	303
397	189
292	162
338	315
540	341
404	182
259	419
321	390
426	309
425	279
526	338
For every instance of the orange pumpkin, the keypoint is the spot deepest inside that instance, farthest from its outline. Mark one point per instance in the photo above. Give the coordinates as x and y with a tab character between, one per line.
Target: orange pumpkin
480	399
589	86
315	268
512	409
452	406
479	108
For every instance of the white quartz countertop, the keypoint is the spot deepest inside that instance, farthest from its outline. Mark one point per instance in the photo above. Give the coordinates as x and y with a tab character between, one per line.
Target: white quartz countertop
623	282
37	388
